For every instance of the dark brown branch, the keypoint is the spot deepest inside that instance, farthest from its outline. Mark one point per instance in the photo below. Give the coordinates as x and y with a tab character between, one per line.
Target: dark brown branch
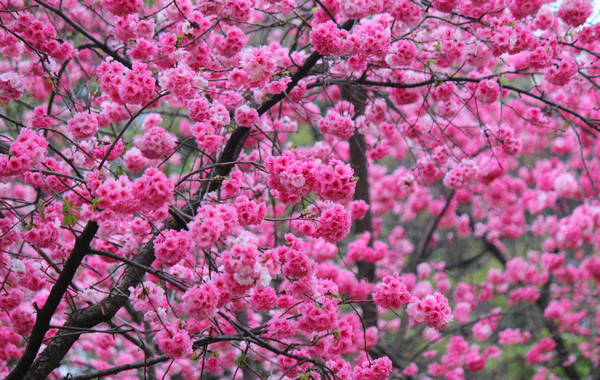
158	273
45	314
236	141
416	258
561	347
202	342
421	251
298	75
131	119
357	95
104	47
467	262
542	303
253	338
120	368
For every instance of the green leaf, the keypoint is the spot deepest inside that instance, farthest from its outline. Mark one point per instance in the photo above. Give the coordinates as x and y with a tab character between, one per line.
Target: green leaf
69	220
94	89
95	202
336	334
180	38
118	169
241	358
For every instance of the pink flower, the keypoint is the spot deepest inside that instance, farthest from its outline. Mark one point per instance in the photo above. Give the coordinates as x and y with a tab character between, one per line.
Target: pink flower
155	143
378	369
446	6
336	181
358	209
510	337
22	320
391	293
334	224
138	85
291	178
341	368
411	369
153	189
541	351
460	176
181	81
443	92
319	317
26	152
488	91
407	12
199	110
11	86
249	213
433	311
122	7
403	96
83	125
207	137
562	71
326	38
171	246
135	160
281	327
295	263
523	8
278	86
370	38
263	299
258	65
174	341
337	125
246	116
232	44
241	261
147	297
575	12
200	302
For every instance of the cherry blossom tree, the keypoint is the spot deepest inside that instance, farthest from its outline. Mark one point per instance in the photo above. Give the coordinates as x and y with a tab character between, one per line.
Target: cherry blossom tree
299	189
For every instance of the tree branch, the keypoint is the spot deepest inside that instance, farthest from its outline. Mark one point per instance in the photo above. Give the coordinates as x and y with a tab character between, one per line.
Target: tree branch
104	47
45	314
357	95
